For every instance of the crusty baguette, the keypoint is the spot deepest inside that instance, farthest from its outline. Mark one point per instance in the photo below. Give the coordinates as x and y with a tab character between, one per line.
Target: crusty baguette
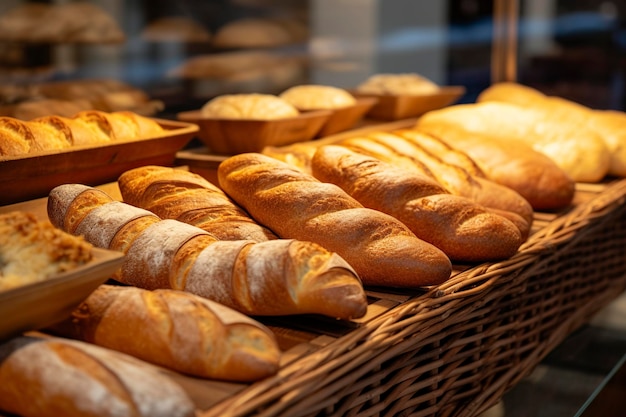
464	230
297	205
577	149
610	125
58	377
177	330
400	147
276	277
182	195
516	165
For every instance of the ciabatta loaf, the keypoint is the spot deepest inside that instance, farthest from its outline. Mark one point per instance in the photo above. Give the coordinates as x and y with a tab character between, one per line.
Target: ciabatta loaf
51	377
516	165
578	150
177	330
276	277
610	125
296	205
182	195
464	230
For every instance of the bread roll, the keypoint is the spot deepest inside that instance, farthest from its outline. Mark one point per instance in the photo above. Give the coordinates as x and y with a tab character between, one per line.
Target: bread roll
610	125
176	330
576	149
249	106
252	32
317	97
296	205
182	195
276	277
57	377
398	84
462	229
516	165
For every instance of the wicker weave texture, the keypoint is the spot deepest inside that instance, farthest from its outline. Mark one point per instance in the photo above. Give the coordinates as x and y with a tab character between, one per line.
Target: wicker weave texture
455	350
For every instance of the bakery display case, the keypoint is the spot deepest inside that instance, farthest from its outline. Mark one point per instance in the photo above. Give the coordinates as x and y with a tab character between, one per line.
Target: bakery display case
306	316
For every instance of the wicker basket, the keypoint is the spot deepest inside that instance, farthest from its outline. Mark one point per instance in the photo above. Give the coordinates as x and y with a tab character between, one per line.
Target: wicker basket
456	349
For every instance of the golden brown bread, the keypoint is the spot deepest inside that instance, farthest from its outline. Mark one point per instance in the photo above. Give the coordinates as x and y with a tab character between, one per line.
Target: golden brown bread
32	250
182	195
50	377
516	165
296	205
462	229
276	277
401	147
177	330
577	149
610	125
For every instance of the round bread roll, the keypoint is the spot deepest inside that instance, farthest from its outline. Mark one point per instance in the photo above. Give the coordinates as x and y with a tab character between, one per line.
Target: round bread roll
249	106
398	84
318	97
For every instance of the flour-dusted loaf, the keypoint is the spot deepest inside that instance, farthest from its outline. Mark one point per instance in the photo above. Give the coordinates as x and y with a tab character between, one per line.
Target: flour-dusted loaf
464	230
177	330
297	205
610	125
276	277
577	149
51	377
188	197
513	164
32	250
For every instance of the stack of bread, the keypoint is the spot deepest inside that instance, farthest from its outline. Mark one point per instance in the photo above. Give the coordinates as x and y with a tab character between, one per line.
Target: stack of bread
89	127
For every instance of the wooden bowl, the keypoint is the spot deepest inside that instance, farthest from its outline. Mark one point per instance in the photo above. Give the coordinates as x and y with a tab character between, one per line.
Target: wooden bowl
347	117
233	136
396	107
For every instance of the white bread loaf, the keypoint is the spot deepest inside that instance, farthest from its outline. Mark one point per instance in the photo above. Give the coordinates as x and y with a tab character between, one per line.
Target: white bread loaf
610	125
252	106
317	97
578	150
462	229
296	205
188	197
51	377
276	277
177	330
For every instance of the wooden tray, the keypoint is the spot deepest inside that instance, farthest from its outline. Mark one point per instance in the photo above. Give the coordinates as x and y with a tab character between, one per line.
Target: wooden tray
41	304
396	107
232	136
34	175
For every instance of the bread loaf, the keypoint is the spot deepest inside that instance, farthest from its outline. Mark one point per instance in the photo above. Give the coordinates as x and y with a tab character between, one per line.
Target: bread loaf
610	125
249	106
296	205
576	149
461	228
276	277
516	165
57	377
401	147
177	330
182	195
398	84
317	97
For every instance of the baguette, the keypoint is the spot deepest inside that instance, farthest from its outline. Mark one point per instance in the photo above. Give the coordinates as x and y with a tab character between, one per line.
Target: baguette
462	229
177	330
576	149
276	277
296	205
401	147
57	377
608	124
516	165
182	195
